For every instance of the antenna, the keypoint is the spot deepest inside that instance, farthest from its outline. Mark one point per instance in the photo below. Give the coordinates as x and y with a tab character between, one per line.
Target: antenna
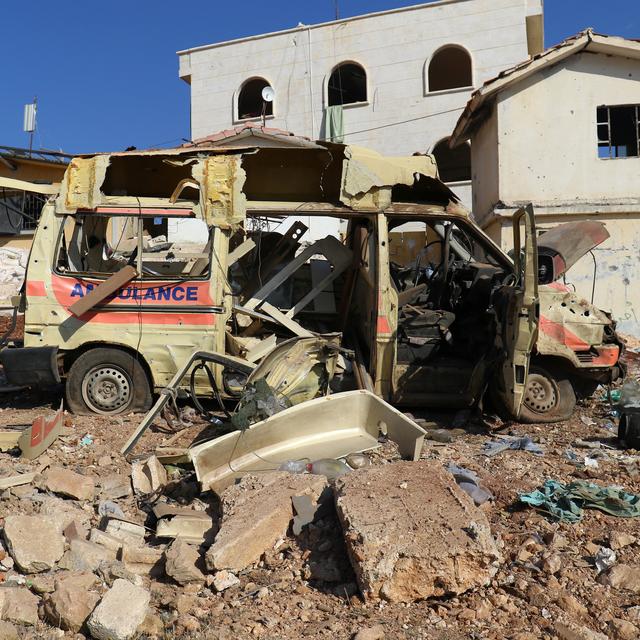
29	125
268	95
336	4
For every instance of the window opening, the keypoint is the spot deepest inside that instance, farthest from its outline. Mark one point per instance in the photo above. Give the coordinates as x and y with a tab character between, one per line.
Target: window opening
102	245
347	84
450	68
454	165
250	101
618	131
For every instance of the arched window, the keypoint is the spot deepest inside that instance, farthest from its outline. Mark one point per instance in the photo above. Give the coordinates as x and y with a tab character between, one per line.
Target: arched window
450	68
454	165
250	102
347	84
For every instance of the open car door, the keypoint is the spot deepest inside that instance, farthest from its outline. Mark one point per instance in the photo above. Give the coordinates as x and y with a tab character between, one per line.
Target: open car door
518	313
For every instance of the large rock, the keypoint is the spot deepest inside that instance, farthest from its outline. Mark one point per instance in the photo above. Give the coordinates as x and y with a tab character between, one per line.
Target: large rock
64	512
182	563
149	476
85	556
569	630
34	542
68	483
622	576
412	533
121	611
19	605
256	513
72	602
8	631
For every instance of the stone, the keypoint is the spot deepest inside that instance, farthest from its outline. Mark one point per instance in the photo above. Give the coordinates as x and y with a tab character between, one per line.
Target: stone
406	544
148	477
129	532
143	560
370	633
152	627
72	602
43	583
568	630
182	563
68	483
106	540
84	555
34	542
120	613
19	605
75	531
112	570
619	540
256	513
224	579
8	631
551	563
570	605
622	576
623	630
115	486
64	512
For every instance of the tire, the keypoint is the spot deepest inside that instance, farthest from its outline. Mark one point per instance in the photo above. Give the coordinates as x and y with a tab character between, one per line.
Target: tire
547	398
107	382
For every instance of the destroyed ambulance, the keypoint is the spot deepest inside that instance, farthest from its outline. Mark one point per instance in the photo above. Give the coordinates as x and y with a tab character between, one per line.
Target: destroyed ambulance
145	257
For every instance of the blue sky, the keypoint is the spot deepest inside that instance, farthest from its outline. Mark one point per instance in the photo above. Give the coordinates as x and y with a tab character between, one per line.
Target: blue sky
105	73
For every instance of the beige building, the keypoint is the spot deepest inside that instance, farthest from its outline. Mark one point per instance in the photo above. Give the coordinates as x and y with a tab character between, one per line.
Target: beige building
395	81
562	130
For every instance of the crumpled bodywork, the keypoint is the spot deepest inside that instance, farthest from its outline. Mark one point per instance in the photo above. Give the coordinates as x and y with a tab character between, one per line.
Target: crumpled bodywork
561	247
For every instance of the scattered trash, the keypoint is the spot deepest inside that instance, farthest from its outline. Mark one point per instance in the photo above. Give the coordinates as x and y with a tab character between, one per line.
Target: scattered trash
469	483
587	421
328	467
590	463
87	440
440	435
566	502
41	435
358	460
524	443
604	559
294	466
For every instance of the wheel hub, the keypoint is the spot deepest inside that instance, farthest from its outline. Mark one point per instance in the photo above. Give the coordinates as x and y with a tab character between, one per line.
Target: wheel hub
540	394
106	389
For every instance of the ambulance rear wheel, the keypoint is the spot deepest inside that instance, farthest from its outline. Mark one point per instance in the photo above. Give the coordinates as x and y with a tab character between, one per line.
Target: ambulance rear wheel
107	382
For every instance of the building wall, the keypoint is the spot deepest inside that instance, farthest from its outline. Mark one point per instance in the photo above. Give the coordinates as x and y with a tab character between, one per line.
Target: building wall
548	147
394	47
616	268
33	171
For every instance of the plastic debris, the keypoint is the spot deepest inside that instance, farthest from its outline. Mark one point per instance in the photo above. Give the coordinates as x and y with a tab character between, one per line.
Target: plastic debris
566	502
110	509
469	483
87	440
358	460
328	467
294	466
525	443
604	559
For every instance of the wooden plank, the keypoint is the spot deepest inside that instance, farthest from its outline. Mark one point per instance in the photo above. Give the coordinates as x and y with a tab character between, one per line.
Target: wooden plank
102	291
240	251
287	323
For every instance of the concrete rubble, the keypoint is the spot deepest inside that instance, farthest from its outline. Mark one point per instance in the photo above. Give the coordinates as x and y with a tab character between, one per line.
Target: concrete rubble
290	555
433	542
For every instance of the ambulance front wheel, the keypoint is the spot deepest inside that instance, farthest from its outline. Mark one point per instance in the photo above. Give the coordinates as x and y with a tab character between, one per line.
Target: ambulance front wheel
107	382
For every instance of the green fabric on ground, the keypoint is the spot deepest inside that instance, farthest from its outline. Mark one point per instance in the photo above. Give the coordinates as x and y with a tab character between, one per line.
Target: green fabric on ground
566	502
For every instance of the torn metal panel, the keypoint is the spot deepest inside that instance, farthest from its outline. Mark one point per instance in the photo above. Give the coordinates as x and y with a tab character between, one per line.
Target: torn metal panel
301	368
368	177
561	247
41	435
81	185
25	185
221	178
329	427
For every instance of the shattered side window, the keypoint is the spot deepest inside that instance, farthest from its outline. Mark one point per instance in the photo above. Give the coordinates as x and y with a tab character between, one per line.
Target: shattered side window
175	247
102	245
96	244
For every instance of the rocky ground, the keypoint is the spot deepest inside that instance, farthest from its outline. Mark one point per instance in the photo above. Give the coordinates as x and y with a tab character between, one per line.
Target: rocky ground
547	584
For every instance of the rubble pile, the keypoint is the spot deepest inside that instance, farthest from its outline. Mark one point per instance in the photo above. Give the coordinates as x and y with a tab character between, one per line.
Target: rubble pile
92	546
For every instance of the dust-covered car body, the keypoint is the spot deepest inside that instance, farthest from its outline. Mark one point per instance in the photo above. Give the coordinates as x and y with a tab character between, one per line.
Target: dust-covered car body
145	257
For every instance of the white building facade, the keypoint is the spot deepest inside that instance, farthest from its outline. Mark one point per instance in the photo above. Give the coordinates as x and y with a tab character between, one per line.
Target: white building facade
395	81
563	132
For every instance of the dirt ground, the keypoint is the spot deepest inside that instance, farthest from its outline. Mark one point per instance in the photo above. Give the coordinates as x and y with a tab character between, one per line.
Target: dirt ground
287	597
